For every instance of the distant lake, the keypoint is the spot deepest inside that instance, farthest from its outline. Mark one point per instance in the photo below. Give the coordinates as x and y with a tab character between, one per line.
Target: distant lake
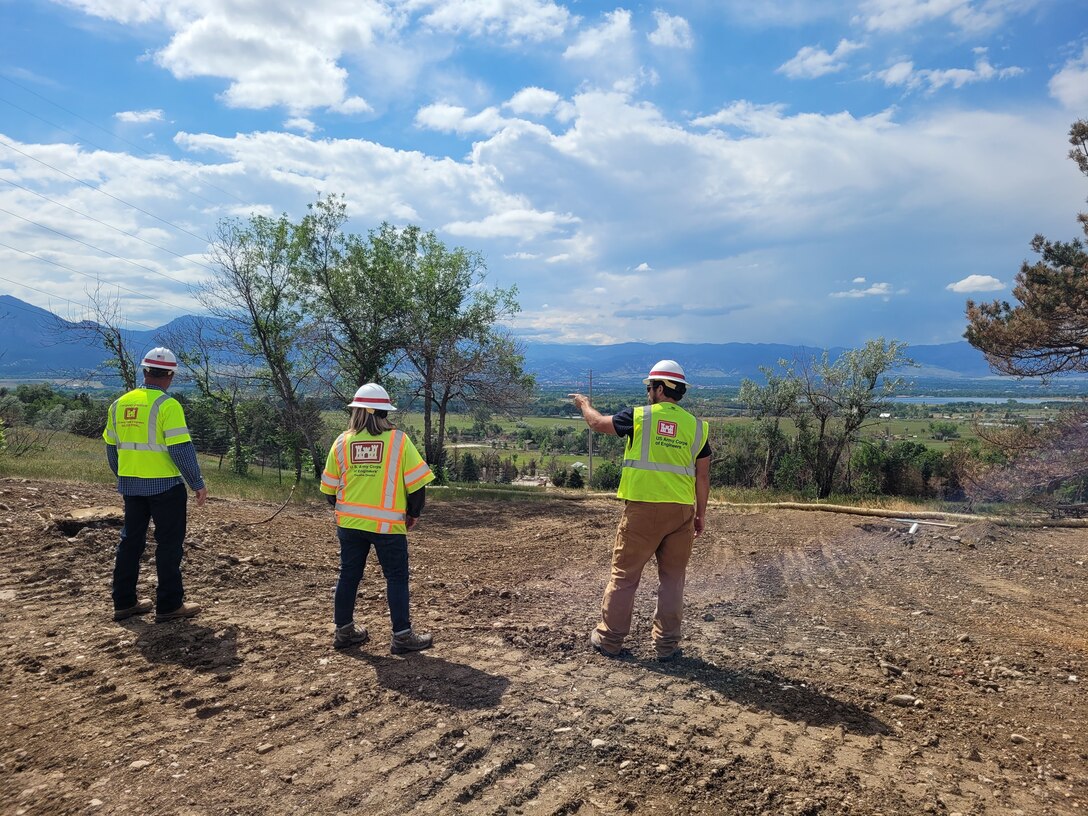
982	400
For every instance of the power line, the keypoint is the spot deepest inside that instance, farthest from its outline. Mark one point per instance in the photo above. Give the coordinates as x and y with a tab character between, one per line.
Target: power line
69	302
92	246
88	275
93	124
100	190
110	226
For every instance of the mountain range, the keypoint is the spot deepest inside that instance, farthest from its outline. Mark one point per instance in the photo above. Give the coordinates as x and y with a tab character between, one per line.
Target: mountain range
37	344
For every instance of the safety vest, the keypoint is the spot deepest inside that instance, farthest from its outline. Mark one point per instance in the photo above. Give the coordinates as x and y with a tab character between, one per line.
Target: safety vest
371	477
659	461
143	424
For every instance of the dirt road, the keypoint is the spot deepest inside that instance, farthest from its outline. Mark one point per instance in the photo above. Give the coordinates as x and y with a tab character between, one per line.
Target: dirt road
833	665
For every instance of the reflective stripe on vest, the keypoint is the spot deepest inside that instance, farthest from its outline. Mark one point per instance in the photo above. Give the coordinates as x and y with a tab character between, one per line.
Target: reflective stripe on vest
644	463
655	470
384	515
153	467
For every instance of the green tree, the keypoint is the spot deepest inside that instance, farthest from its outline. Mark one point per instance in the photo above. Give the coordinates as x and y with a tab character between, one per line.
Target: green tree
356	290
606	476
836	399
257	290
769	404
452	341
575	479
1047	331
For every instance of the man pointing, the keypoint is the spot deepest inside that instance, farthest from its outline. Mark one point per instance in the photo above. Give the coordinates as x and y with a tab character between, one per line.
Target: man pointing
665	484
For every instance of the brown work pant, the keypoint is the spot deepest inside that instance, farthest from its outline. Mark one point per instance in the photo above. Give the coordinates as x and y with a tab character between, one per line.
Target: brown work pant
648	529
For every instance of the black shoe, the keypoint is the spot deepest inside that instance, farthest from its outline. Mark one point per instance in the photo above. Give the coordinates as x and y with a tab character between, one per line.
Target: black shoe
668	657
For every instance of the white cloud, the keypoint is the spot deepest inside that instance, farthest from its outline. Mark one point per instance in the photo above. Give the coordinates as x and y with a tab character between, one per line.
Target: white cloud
967	15
154	115
976	283
614	34
858	280
643	267
353	104
524	225
454	118
514	19
903	74
744	115
671	31
811	62
876	290
301	124
533	101
1070	85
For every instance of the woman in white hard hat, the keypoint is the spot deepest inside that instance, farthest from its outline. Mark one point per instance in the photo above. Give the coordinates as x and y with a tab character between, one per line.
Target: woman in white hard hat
375	478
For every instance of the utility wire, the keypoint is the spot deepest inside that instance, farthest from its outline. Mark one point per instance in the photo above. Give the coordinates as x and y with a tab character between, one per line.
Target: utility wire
88	275
110	226
103	192
104	130
69	302
92	246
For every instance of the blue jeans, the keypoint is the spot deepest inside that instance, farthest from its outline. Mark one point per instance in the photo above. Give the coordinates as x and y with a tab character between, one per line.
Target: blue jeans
392	550
168	511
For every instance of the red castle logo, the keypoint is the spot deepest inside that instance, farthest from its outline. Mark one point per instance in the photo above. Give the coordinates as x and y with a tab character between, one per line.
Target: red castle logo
666	428
132	413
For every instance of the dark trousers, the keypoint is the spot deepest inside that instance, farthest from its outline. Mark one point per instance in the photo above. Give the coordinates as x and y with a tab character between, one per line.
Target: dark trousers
168	512
392	550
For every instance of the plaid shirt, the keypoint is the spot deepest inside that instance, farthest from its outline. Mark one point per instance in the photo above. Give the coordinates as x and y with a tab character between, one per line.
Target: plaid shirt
184	456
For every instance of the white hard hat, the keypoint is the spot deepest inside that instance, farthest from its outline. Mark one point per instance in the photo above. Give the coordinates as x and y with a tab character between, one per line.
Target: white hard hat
160	357
669	371
372	396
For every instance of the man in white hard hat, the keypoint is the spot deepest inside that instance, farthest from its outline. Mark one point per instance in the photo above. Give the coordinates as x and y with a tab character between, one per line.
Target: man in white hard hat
665	484
151	453
376	480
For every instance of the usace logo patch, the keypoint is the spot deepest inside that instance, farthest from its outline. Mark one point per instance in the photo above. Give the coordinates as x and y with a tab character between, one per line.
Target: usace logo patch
366	452
132	413
666	428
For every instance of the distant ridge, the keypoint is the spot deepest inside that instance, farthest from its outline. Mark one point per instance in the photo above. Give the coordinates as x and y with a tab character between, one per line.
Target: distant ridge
33	345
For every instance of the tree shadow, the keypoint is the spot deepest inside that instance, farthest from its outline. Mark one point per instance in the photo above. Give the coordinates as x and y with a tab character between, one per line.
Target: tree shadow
433	679
188	644
768	691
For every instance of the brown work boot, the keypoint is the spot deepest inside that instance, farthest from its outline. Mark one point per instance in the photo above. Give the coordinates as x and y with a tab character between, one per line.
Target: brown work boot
410	642
142	607
350	635
186	610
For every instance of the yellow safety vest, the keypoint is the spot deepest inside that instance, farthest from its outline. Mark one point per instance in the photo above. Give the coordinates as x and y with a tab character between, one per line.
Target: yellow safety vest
659	461
371	477
143	424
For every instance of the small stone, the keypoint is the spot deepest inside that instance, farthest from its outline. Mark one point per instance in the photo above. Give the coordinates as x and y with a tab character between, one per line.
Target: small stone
964	638
139	765
708	617
598	743
974	755
662	768
1018	739
626	764
460	746
96	803
904	700
562	730
265	747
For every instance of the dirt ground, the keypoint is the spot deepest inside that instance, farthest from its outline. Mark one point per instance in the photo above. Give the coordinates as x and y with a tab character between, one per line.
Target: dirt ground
833	664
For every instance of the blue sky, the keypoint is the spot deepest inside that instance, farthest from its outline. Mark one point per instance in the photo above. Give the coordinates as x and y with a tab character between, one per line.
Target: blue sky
738	170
